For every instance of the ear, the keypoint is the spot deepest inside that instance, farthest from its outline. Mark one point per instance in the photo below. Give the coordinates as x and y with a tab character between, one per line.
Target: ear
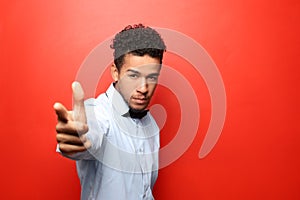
114	72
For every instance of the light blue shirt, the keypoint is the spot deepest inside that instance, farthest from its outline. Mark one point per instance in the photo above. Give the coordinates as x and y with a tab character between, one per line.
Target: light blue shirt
122	163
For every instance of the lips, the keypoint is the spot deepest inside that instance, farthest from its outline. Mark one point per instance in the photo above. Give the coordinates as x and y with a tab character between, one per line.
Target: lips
140	100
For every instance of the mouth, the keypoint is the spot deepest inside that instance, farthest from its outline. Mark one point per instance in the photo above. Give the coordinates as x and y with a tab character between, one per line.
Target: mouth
140	101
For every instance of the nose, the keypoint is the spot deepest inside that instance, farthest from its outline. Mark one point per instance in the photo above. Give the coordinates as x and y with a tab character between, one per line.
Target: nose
143	87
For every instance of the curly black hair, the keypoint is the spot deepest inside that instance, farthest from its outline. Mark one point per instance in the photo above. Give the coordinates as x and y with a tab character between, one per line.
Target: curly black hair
137	40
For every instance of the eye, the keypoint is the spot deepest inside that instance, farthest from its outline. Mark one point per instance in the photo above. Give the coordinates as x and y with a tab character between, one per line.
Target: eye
133	76
153	78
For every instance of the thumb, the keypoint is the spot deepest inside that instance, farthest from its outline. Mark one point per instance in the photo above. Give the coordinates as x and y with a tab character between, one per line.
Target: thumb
78	103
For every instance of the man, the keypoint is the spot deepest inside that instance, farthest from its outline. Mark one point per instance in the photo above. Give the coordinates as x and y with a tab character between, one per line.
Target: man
113	138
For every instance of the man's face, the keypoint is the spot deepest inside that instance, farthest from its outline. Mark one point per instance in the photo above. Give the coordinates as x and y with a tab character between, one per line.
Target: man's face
137	79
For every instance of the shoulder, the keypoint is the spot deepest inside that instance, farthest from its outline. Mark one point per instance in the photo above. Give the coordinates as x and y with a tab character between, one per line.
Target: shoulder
101	99
101	102
98	107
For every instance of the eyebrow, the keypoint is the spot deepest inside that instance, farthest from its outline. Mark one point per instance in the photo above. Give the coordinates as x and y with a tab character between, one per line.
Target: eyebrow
133	71
153	74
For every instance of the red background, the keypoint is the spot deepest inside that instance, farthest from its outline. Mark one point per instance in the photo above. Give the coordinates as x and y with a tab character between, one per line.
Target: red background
255	45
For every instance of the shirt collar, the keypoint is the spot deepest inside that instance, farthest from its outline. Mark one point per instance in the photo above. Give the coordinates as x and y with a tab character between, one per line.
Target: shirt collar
118	102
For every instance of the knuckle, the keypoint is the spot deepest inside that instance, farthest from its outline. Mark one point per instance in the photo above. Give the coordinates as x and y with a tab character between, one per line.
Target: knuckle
65	148
57	127
87	144
62	147
85	128
60	126
82	138
61	138
58	137
82	128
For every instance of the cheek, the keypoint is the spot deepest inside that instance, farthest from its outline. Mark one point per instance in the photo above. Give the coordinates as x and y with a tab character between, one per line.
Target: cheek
151	89
127	89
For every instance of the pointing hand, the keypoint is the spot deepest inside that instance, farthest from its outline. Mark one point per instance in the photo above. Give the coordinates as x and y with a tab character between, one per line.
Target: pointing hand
72	126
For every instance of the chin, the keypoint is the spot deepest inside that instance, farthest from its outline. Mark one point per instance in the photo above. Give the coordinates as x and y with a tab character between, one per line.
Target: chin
138	108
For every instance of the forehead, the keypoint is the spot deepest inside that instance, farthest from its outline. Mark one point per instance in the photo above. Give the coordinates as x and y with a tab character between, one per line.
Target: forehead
140	63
